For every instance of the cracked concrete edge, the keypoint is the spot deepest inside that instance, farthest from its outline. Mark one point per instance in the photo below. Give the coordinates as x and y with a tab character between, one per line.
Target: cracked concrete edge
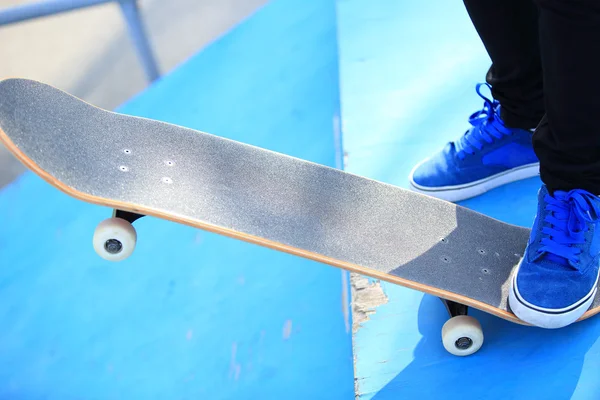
367	296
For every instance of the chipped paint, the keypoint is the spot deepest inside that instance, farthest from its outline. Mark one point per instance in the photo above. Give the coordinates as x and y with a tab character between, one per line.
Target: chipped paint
235	367
287	329
367	295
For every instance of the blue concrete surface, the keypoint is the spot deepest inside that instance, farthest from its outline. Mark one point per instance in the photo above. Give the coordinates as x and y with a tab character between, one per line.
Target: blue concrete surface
190	315
408	72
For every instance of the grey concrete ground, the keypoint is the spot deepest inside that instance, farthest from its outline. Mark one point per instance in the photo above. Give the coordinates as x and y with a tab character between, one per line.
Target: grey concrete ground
89	54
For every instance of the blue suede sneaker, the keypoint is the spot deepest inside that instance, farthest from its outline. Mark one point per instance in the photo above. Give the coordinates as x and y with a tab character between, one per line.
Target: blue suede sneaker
488	155
557	279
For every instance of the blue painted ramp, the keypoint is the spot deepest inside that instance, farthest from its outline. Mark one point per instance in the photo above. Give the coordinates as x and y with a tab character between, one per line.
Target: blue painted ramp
408	72
190	315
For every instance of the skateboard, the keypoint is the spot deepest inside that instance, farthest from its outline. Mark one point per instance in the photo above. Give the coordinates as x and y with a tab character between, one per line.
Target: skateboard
141	167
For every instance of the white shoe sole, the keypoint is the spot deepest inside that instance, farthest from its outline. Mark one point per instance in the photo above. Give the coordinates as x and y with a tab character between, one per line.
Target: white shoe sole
476	188
547	318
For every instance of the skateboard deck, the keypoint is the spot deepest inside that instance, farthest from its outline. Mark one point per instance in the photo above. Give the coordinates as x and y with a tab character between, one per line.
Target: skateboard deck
146	167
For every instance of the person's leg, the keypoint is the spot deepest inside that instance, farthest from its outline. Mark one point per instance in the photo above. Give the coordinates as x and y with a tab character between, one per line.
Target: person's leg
509	32
556	281
568	139
497	149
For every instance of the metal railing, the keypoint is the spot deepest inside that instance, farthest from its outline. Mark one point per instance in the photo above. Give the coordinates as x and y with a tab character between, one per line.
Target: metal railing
129	8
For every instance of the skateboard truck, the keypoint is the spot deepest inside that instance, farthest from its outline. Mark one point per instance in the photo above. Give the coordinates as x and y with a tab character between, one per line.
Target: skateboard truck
461	334
127	216
115	237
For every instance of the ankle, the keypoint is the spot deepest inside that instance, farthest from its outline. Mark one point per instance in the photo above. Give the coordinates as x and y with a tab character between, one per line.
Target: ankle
515	121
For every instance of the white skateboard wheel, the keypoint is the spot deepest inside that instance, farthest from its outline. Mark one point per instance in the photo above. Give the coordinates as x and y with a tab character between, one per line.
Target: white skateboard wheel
114	239
462	335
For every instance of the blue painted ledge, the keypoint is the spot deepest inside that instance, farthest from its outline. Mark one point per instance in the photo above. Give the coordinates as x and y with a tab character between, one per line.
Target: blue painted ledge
190	315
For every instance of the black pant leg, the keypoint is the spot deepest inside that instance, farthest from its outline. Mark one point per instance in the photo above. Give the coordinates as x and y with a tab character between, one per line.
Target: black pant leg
509	32
567	141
